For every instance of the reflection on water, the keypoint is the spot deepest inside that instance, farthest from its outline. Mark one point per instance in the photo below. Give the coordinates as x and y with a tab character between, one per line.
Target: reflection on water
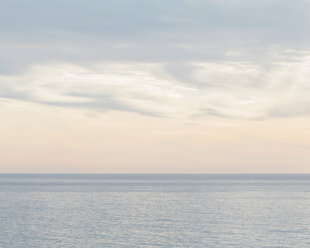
154	211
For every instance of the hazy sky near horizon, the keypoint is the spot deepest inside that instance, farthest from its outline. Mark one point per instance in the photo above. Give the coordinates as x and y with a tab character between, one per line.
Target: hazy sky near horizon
178	86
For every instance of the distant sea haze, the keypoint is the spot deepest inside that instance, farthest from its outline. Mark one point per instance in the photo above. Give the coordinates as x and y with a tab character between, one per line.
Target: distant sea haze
154	210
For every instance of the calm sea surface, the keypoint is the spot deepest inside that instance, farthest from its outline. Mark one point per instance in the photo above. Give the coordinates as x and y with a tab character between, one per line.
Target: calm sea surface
154	211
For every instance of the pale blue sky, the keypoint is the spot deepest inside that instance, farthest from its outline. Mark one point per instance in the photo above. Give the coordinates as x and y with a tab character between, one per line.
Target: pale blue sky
199	63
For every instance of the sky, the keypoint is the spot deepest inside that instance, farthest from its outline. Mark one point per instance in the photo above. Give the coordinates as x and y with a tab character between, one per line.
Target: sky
135	86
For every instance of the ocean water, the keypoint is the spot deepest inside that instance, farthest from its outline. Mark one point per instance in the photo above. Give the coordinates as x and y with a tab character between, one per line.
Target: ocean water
38	211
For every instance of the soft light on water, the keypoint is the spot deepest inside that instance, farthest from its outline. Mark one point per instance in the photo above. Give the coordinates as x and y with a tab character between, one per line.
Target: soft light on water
154	211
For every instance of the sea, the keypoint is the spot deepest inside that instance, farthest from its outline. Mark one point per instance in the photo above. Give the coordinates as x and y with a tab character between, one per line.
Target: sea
154	210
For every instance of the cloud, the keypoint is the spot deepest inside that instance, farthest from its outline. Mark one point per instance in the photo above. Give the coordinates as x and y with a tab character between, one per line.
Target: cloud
105	87
224	90
229	59
79	32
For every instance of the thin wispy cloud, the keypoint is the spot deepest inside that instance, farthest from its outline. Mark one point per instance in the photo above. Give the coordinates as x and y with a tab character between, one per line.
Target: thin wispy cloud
232	59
